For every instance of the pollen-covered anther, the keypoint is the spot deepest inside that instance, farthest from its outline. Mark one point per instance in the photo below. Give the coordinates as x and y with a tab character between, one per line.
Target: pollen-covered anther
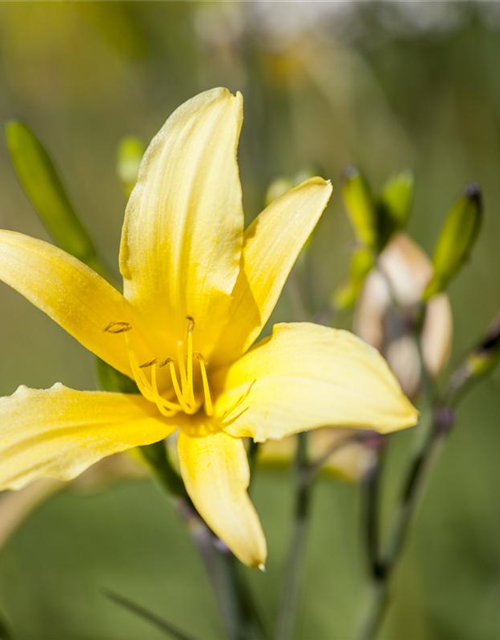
117	327
149	363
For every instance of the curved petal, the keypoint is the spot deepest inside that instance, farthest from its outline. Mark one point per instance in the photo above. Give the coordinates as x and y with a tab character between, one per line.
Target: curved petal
182	237
69	292
59	432
271	246
215	471
306	376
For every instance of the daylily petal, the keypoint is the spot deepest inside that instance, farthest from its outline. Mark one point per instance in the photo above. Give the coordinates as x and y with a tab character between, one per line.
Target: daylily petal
216	475
272	244
59	432
306	376
69	292
183	229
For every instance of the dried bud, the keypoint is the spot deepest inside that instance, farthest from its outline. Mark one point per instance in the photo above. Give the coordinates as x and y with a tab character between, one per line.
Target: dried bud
386	308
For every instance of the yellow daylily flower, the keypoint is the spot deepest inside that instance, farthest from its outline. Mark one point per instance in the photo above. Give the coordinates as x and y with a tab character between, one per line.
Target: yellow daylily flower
197	291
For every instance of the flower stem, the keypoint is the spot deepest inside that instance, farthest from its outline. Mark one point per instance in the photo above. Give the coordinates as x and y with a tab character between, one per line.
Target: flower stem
383	567
290	594
240	618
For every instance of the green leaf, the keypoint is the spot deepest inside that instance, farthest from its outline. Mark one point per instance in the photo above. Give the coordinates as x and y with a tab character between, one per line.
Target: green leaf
128	158
39	179
456	240
361	207
149	616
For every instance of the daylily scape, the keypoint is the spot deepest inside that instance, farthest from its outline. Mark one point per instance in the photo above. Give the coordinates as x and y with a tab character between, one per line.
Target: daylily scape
197	291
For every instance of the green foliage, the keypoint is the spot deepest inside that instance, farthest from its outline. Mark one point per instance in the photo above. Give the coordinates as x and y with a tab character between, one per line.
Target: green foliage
456	240
43	186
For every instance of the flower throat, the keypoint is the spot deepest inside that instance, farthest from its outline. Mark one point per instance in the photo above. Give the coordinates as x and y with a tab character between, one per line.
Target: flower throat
183	370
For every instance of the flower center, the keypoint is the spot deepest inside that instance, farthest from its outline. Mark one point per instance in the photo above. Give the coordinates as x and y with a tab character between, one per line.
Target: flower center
174	384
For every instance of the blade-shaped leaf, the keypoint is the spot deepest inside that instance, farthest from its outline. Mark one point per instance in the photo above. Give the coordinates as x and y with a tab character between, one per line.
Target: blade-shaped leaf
170	629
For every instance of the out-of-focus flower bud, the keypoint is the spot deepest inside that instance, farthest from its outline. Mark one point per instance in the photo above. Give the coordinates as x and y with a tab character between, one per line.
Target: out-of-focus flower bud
43	186
394	206
128	158
386	307
361	207
485	356
376	219
456	240
349	460
362	261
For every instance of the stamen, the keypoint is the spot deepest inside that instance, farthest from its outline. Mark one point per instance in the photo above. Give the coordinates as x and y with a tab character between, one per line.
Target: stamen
178	392
181	361
209	409
117	327
237	404
165	407
139	376
190	382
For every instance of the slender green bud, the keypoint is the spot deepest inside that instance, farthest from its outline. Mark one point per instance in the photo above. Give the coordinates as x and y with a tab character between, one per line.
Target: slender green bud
486	355
362	262
128	158
41	183
456	240
361	207
394	205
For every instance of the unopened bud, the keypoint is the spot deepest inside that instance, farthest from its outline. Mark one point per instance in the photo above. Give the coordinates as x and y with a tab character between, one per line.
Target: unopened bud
456	240
361	207
394	206
487	353
128	158
362	262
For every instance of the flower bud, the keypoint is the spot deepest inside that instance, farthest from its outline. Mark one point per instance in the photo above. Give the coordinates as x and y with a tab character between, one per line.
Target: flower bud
394	206
385	311
362	262
361	207
128	158
41	183
456	240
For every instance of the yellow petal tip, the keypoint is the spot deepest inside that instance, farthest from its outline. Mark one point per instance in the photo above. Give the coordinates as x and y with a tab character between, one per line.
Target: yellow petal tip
261	567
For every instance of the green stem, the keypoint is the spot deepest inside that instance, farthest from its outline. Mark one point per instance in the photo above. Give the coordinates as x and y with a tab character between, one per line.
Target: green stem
371	509
413	489
290	595
240	618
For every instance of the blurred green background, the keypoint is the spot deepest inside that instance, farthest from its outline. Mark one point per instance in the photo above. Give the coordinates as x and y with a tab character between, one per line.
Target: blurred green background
386	86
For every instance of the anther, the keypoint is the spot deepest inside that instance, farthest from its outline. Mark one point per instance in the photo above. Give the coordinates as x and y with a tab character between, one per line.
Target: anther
117	327
191	323
147	364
